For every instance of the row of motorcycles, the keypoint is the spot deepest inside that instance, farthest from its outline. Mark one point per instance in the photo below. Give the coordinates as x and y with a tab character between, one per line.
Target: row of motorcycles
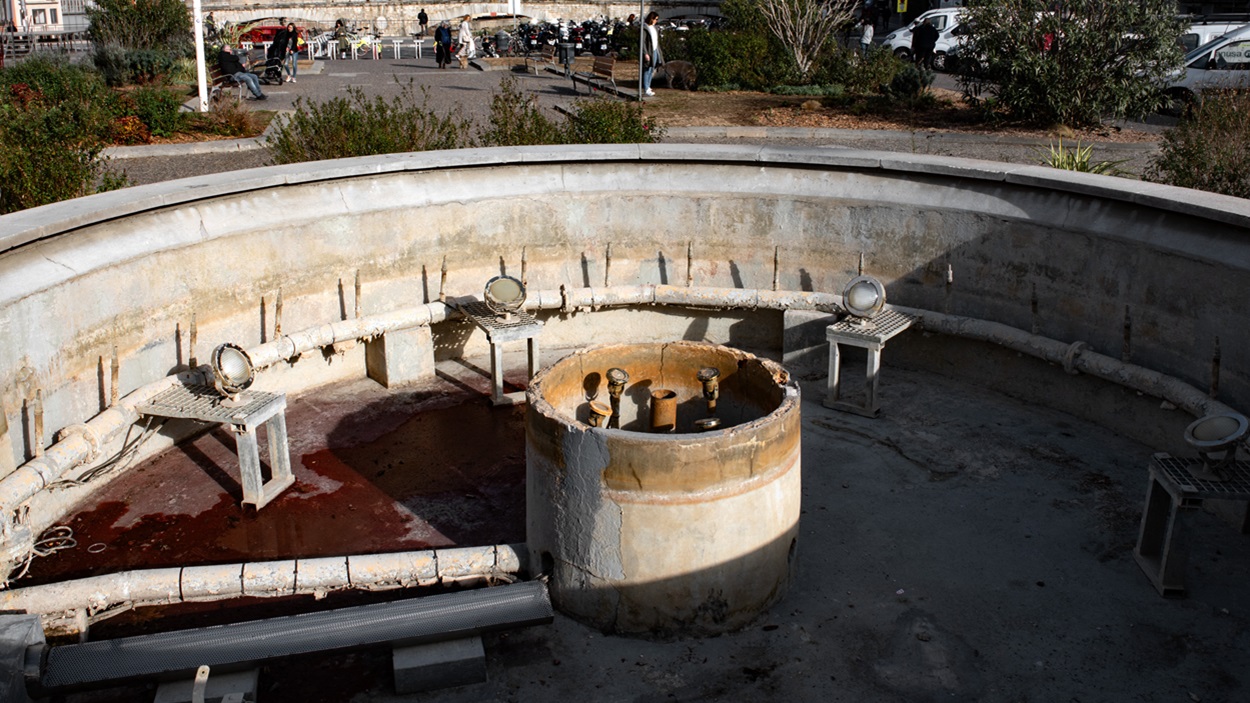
590	37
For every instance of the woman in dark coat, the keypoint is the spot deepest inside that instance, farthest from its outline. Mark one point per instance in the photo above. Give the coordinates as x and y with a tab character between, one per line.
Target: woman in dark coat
442	44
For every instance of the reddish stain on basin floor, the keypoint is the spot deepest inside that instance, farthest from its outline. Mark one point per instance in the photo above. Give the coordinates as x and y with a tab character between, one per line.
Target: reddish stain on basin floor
375	472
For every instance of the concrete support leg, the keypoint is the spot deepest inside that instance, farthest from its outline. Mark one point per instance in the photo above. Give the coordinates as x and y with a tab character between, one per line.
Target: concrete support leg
1158	551
426	667
496	374
533	356
400	356
870	383
835	375
803	343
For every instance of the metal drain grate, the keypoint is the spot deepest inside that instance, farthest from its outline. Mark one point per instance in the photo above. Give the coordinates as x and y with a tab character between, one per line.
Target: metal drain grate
884	325
430	619
1177	471
203	403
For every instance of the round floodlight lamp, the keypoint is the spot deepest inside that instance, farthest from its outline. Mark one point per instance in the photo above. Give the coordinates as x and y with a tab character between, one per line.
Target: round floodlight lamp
863	297
232	370
1214	434
504	295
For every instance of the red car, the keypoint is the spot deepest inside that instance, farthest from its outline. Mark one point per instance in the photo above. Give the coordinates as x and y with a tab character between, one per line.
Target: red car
264	33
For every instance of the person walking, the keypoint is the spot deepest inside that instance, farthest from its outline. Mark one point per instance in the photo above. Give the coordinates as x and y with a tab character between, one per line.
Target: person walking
286	50
231	66
442	44
423	20
923	42
652	57
865	35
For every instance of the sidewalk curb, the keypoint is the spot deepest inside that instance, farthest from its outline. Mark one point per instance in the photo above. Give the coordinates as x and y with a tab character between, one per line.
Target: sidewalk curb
215	146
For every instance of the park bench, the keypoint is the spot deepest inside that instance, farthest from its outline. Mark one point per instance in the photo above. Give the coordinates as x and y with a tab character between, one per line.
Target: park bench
218	81
601	74
547	55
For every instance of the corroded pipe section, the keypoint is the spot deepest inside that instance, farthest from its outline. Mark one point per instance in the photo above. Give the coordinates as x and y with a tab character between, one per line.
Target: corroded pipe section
61	603
663	410
690	533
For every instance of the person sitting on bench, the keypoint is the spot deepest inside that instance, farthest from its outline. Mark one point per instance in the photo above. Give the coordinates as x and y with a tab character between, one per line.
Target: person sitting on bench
231	66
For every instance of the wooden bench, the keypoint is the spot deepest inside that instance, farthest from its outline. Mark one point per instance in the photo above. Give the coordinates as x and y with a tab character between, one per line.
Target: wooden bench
602	74
547	55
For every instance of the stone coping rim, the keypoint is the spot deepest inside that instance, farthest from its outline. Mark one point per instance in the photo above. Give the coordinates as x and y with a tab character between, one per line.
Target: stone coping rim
46	221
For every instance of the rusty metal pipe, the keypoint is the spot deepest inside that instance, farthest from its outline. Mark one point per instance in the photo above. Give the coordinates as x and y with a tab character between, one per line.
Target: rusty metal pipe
663	410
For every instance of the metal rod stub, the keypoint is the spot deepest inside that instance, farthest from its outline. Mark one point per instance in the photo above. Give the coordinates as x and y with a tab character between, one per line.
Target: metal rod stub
442	283
115	372
776	267
36	409
524	268
689	264
277	315
357	294
191	360
1126	352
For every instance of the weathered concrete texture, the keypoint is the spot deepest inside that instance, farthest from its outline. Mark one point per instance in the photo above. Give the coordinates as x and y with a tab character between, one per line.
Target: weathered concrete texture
133	268
399	357
665	534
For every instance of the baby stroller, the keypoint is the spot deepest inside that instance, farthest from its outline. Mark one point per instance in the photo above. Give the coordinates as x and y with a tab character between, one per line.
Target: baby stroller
274	58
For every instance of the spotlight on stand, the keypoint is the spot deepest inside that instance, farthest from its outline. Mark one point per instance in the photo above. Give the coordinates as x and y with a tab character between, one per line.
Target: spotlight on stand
1216	437
232	372
504	295
863	298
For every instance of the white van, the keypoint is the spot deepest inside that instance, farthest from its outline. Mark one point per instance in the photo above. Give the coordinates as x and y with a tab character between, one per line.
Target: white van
1223	62
1211	27
944	19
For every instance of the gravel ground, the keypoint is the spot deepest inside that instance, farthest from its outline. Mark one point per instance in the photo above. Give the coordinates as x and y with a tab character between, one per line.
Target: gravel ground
467	92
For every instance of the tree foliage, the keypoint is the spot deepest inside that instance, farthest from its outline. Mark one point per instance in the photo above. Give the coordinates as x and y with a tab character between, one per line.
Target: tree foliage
1074	62
806	27
140	24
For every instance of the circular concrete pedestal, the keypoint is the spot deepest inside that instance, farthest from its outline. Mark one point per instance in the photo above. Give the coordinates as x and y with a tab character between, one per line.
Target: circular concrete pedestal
678	533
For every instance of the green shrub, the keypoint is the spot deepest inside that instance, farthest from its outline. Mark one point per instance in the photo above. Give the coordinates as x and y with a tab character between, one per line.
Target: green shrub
148	65
160	109
752	60
1086	61
909	84
44	156
1209	149
141	24
610	121
228	118
360	126
828	91
517	120
78	94
860	75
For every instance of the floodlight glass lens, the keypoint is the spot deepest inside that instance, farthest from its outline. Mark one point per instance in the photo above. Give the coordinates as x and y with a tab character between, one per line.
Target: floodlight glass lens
233	366
1216	428
506	290
862	297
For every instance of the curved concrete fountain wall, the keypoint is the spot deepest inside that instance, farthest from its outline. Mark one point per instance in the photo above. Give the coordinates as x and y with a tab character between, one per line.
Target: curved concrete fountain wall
1061	253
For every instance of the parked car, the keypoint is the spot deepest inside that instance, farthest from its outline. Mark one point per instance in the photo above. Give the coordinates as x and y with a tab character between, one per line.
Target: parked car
944	19
1223	62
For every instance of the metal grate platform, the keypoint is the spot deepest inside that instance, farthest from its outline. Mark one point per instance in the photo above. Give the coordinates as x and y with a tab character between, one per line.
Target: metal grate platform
204	403
880	328
1177	471
517	325
253	410
430	619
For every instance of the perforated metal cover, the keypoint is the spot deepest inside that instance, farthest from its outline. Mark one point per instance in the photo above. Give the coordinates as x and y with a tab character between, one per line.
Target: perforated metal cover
1177	472
205	403
881	327
519	325
430	619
